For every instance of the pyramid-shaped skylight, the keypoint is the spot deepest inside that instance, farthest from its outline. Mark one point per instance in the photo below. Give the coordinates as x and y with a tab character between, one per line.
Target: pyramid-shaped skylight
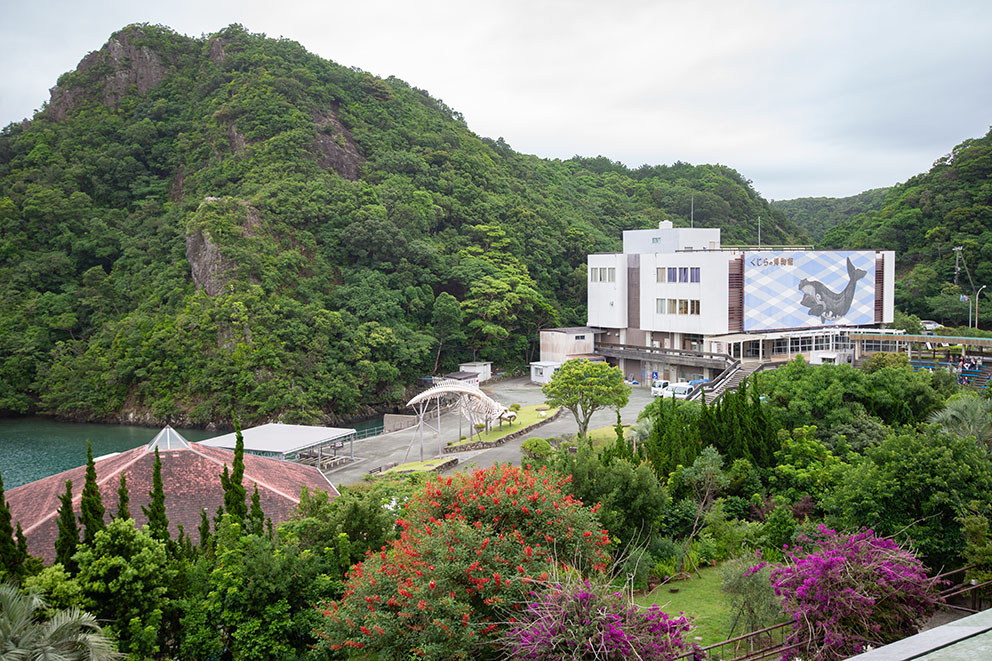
168	439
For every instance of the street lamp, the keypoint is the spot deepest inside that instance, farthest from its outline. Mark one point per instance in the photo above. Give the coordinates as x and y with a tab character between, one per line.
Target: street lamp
976	303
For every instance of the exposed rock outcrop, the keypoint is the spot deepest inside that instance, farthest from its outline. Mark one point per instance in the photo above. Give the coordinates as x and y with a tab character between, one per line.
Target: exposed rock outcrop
119	65
334	146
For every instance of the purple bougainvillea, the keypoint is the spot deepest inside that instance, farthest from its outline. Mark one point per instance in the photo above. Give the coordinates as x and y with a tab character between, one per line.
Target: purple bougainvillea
584	622
850	591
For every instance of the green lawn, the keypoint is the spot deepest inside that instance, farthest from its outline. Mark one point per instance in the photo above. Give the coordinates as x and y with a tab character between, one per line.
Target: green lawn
526	417
603	436
417	466
699	598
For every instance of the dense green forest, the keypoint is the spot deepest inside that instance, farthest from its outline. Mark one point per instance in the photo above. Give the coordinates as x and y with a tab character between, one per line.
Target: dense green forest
923	220
199	228
817	215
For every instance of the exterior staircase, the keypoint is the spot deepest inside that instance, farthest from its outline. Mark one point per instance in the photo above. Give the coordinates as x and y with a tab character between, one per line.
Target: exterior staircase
733	381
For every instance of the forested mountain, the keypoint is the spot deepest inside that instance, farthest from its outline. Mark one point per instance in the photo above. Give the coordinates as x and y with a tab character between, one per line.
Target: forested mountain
199	228
923	220
816	215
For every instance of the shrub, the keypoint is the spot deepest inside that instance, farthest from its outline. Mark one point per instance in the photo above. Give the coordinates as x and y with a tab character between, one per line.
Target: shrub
747	582
584	621
536	448
851	591
471	546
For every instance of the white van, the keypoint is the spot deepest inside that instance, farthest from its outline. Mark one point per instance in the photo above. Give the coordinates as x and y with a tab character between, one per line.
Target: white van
658	386
677	390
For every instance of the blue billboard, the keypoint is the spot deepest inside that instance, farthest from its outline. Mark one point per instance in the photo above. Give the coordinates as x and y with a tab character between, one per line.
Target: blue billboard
799	289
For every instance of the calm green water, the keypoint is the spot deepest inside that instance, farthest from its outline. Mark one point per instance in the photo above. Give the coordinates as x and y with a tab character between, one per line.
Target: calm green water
33	448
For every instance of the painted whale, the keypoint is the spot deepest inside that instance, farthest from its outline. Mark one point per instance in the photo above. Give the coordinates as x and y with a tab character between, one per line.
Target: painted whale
826	304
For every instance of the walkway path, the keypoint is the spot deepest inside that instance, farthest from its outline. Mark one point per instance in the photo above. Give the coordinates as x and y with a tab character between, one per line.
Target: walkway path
392	448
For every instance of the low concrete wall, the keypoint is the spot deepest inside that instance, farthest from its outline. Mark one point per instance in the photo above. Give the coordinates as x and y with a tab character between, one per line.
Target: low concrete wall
482	445
397	421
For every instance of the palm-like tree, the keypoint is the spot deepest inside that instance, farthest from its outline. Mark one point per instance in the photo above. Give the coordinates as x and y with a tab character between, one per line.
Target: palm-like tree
69	635
967	416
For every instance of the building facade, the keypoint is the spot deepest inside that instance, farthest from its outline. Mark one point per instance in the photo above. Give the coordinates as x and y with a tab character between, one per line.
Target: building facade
677	305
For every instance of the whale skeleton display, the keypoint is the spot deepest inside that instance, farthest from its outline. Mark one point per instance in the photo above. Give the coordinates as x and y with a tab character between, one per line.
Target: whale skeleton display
470	403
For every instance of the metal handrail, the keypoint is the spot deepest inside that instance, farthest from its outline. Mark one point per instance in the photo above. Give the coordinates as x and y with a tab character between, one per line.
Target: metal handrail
689	353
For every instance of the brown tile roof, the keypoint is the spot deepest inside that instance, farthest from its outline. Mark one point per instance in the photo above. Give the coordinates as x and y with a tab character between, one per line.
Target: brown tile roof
191	480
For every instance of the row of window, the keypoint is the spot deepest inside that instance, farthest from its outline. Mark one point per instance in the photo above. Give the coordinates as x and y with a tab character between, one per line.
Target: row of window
803	344
677	274
602	274
676	306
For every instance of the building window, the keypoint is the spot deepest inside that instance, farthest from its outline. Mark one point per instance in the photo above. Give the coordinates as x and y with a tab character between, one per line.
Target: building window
613	274
579	337
821	343
694	274
660	305
683	274
602	274
593	275
694	307
683	306
673	306
660	274
673	274
780	346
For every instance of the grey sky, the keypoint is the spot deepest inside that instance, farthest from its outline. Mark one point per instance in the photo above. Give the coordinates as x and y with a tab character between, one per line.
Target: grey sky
803	98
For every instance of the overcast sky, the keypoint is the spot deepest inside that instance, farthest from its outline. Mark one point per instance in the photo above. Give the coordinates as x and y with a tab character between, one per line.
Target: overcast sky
803	98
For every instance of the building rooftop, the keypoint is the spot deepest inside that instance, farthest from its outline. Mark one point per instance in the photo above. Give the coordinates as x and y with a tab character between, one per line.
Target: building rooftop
280	440
967	639
191	481
573	330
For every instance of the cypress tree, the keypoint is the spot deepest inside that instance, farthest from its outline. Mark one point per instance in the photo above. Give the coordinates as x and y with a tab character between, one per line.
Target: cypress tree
123	499
68	539
204	529
22	546
158	523
234	491
91	508
256	517
10	561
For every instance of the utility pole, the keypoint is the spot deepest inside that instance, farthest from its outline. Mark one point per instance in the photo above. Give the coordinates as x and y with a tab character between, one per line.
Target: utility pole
759	231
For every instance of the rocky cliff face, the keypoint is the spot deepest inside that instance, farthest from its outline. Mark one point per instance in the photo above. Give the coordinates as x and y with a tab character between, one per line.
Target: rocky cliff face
120	65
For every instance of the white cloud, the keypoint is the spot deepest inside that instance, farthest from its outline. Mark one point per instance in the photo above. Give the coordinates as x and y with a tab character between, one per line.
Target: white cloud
810	98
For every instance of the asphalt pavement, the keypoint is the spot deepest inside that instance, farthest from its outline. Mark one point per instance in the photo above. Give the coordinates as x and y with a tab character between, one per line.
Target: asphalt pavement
403	446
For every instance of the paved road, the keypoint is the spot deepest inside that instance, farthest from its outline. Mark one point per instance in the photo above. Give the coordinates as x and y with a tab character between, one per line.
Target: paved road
403	446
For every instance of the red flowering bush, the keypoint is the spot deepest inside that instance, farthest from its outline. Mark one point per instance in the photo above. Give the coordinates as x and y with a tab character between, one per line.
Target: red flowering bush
851	591
472	548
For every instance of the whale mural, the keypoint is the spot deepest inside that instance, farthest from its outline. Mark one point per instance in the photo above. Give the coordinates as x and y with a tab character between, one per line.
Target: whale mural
802	289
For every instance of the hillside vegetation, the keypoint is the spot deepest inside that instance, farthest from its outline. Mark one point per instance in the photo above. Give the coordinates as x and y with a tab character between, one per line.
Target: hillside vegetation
923	220
194	229
817	215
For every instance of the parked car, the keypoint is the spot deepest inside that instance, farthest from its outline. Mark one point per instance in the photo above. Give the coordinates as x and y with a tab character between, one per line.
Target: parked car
658	386
677	390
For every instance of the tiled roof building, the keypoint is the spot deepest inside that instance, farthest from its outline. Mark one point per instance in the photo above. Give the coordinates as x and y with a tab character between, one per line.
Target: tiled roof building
191	480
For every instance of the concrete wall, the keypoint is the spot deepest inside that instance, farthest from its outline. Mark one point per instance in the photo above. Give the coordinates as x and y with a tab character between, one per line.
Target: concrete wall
397	421
608	300
889	284
670	239
557	346
483	369
711	291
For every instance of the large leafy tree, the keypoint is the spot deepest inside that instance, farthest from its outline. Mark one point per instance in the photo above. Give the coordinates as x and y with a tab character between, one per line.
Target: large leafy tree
915	485
584	387
125	577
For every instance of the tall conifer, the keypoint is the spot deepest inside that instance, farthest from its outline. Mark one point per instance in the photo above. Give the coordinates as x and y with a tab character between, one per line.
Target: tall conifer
68	539
123	499
10	561
158	522
234	491
91	508
204	529
256	517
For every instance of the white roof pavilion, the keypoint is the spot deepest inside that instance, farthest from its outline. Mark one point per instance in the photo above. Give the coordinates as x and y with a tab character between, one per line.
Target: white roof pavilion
282	441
